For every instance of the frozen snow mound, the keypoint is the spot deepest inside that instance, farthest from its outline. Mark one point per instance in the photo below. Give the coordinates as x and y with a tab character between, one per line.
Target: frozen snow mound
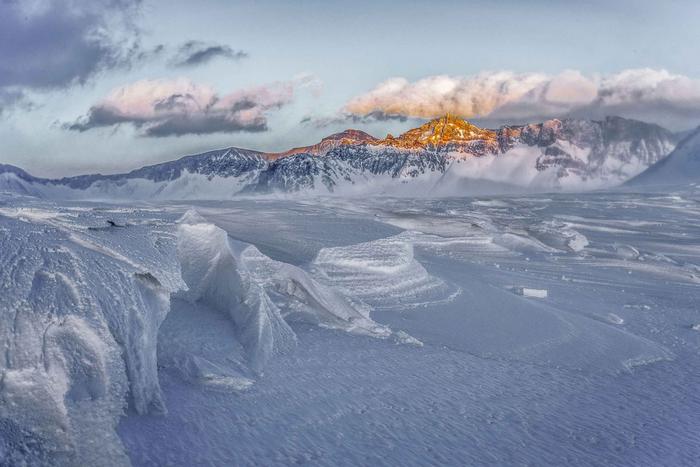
79	333
382	273
302	298
559	235
192	217
217	278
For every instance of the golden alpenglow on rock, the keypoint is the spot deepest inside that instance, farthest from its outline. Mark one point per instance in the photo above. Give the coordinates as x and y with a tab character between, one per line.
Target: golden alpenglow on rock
442	132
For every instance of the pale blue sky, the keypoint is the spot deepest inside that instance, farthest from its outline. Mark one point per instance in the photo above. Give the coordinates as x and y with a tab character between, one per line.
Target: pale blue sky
350	48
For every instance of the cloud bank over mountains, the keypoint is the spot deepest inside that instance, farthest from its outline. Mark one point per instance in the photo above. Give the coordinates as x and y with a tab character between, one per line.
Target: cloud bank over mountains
175	107
645	94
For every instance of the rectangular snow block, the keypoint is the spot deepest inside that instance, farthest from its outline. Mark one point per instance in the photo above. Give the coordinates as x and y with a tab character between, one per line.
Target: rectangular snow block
528	292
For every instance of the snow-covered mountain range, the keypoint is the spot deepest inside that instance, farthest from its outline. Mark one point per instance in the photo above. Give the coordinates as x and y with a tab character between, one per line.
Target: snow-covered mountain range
445	156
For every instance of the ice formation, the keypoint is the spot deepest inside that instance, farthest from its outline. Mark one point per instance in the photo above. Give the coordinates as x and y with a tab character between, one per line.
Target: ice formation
217	278
383	273
305	299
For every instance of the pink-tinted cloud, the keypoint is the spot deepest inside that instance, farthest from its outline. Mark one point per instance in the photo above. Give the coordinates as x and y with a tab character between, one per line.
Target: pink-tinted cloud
180	106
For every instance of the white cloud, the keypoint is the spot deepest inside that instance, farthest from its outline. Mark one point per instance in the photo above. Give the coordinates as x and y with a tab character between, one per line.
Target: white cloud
647	94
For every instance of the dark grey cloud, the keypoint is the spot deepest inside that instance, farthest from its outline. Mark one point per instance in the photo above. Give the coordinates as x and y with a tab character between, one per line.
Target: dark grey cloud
57	43
10	98
138	54
378	116
54	44
193	53
103	116
184	124
345	118
173	123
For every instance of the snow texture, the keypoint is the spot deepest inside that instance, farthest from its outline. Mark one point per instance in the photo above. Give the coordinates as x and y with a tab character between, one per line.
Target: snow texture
367	331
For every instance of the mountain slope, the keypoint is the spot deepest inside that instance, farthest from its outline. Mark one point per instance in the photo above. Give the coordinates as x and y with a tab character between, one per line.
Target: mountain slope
681	166
344	138
445	156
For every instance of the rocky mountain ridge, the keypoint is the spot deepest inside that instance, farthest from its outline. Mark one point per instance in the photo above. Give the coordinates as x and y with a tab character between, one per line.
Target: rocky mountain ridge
556	154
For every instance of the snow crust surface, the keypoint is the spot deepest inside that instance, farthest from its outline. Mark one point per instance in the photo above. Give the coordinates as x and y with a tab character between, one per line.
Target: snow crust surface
550	329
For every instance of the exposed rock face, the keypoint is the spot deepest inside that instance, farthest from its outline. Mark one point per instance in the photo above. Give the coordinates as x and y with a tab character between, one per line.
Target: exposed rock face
593	148
344	138
447	133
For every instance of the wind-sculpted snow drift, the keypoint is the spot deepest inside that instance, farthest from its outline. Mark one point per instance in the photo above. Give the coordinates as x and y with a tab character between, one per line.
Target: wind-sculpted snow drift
79	332
383	273
215	278
85	293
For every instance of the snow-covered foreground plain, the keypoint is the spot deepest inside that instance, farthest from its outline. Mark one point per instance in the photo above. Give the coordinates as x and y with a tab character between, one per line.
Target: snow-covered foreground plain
560	329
